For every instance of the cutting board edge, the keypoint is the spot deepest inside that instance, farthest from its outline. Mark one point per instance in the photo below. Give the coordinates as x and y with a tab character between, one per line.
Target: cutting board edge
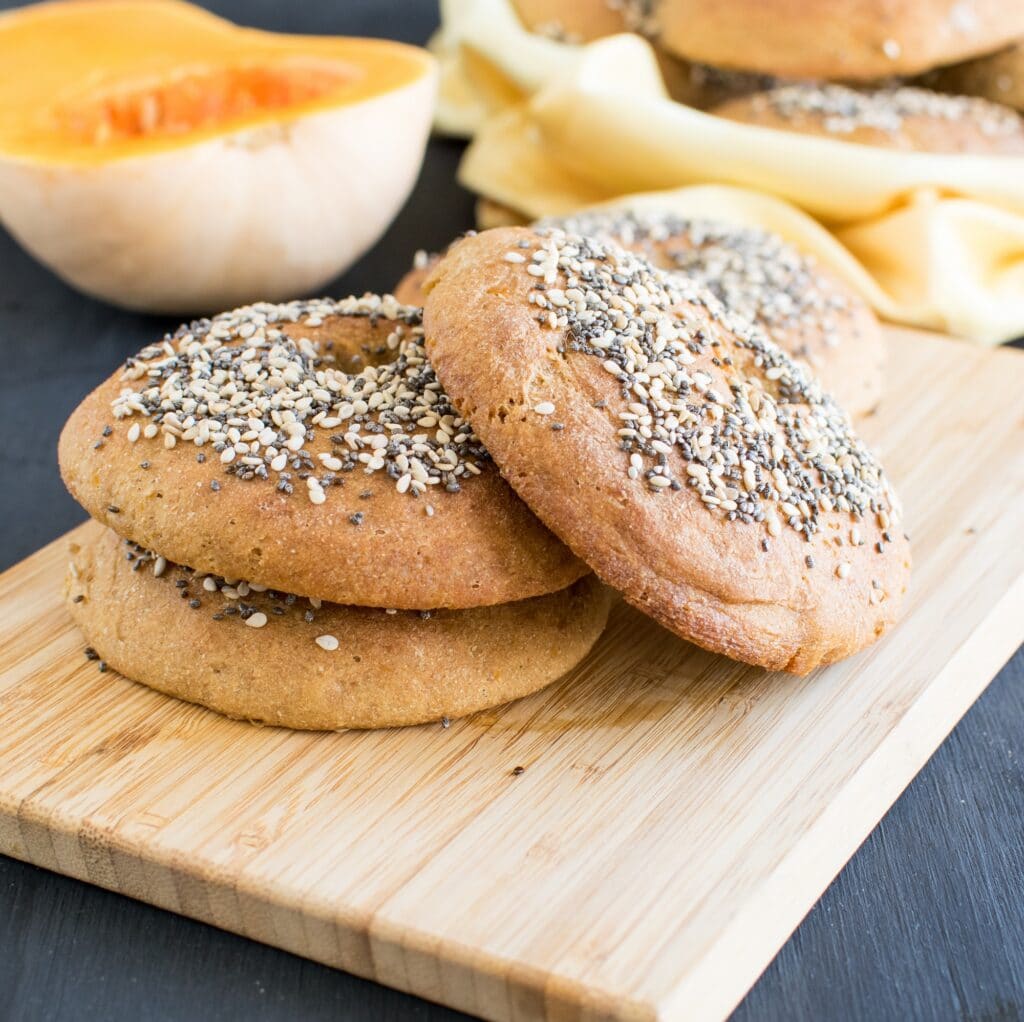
699	995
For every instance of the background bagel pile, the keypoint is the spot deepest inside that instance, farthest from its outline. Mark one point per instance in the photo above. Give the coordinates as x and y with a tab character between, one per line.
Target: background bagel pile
297	520
879	135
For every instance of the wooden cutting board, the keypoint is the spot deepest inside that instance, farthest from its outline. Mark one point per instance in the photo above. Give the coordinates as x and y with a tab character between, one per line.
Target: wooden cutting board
677	813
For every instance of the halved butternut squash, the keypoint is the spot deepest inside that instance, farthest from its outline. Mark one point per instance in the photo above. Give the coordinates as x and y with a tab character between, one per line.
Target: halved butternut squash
165	159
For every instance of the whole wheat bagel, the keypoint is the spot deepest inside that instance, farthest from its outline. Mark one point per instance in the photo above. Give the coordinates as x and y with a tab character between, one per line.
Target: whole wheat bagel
904	118
860	40
679	452
308	447
274	659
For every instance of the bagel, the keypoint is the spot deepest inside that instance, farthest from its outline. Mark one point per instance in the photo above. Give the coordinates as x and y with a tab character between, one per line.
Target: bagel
808	311
905	118
275	659
859	40
682	455
308	447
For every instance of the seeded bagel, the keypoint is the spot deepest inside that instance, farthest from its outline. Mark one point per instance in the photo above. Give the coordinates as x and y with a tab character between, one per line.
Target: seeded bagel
721	492
905	118
231	447
279	660
810	313
835	39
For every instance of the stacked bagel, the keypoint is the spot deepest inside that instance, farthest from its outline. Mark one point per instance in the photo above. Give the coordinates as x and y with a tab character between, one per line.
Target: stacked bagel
293	525
361	513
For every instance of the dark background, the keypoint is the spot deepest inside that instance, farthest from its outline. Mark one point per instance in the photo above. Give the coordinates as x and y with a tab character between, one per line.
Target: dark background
926	921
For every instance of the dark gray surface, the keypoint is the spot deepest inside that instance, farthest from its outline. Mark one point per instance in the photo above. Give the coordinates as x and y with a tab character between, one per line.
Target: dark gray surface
926	922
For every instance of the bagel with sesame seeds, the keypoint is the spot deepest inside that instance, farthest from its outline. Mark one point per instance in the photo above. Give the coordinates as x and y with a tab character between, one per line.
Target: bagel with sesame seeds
905	118
283	661
859	40
308	447
680	453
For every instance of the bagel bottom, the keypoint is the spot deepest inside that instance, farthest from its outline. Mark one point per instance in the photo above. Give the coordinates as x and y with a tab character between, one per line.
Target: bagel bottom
319	668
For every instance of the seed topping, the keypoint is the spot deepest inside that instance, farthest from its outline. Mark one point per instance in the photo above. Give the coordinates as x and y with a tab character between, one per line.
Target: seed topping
758	440
752	272
253	604
241	385
843	110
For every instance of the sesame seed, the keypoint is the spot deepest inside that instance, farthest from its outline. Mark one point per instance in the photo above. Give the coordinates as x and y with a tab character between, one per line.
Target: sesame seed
257	620
243	385
159	566
843	569
841	110
327	642
762	442
134	432
544	408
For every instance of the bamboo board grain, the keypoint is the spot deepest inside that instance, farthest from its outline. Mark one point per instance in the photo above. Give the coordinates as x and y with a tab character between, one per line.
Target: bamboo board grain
678	813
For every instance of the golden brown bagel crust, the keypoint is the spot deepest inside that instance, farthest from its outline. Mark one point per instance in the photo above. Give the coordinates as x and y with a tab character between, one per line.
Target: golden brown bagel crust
480	546
888	118
806	310
998	77
388	669
551	420
836	39
571	21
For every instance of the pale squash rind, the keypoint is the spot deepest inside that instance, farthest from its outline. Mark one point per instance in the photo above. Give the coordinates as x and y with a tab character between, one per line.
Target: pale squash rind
268	211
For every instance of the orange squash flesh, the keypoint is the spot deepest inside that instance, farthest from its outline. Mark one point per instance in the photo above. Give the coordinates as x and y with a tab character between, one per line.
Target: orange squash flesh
92	81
